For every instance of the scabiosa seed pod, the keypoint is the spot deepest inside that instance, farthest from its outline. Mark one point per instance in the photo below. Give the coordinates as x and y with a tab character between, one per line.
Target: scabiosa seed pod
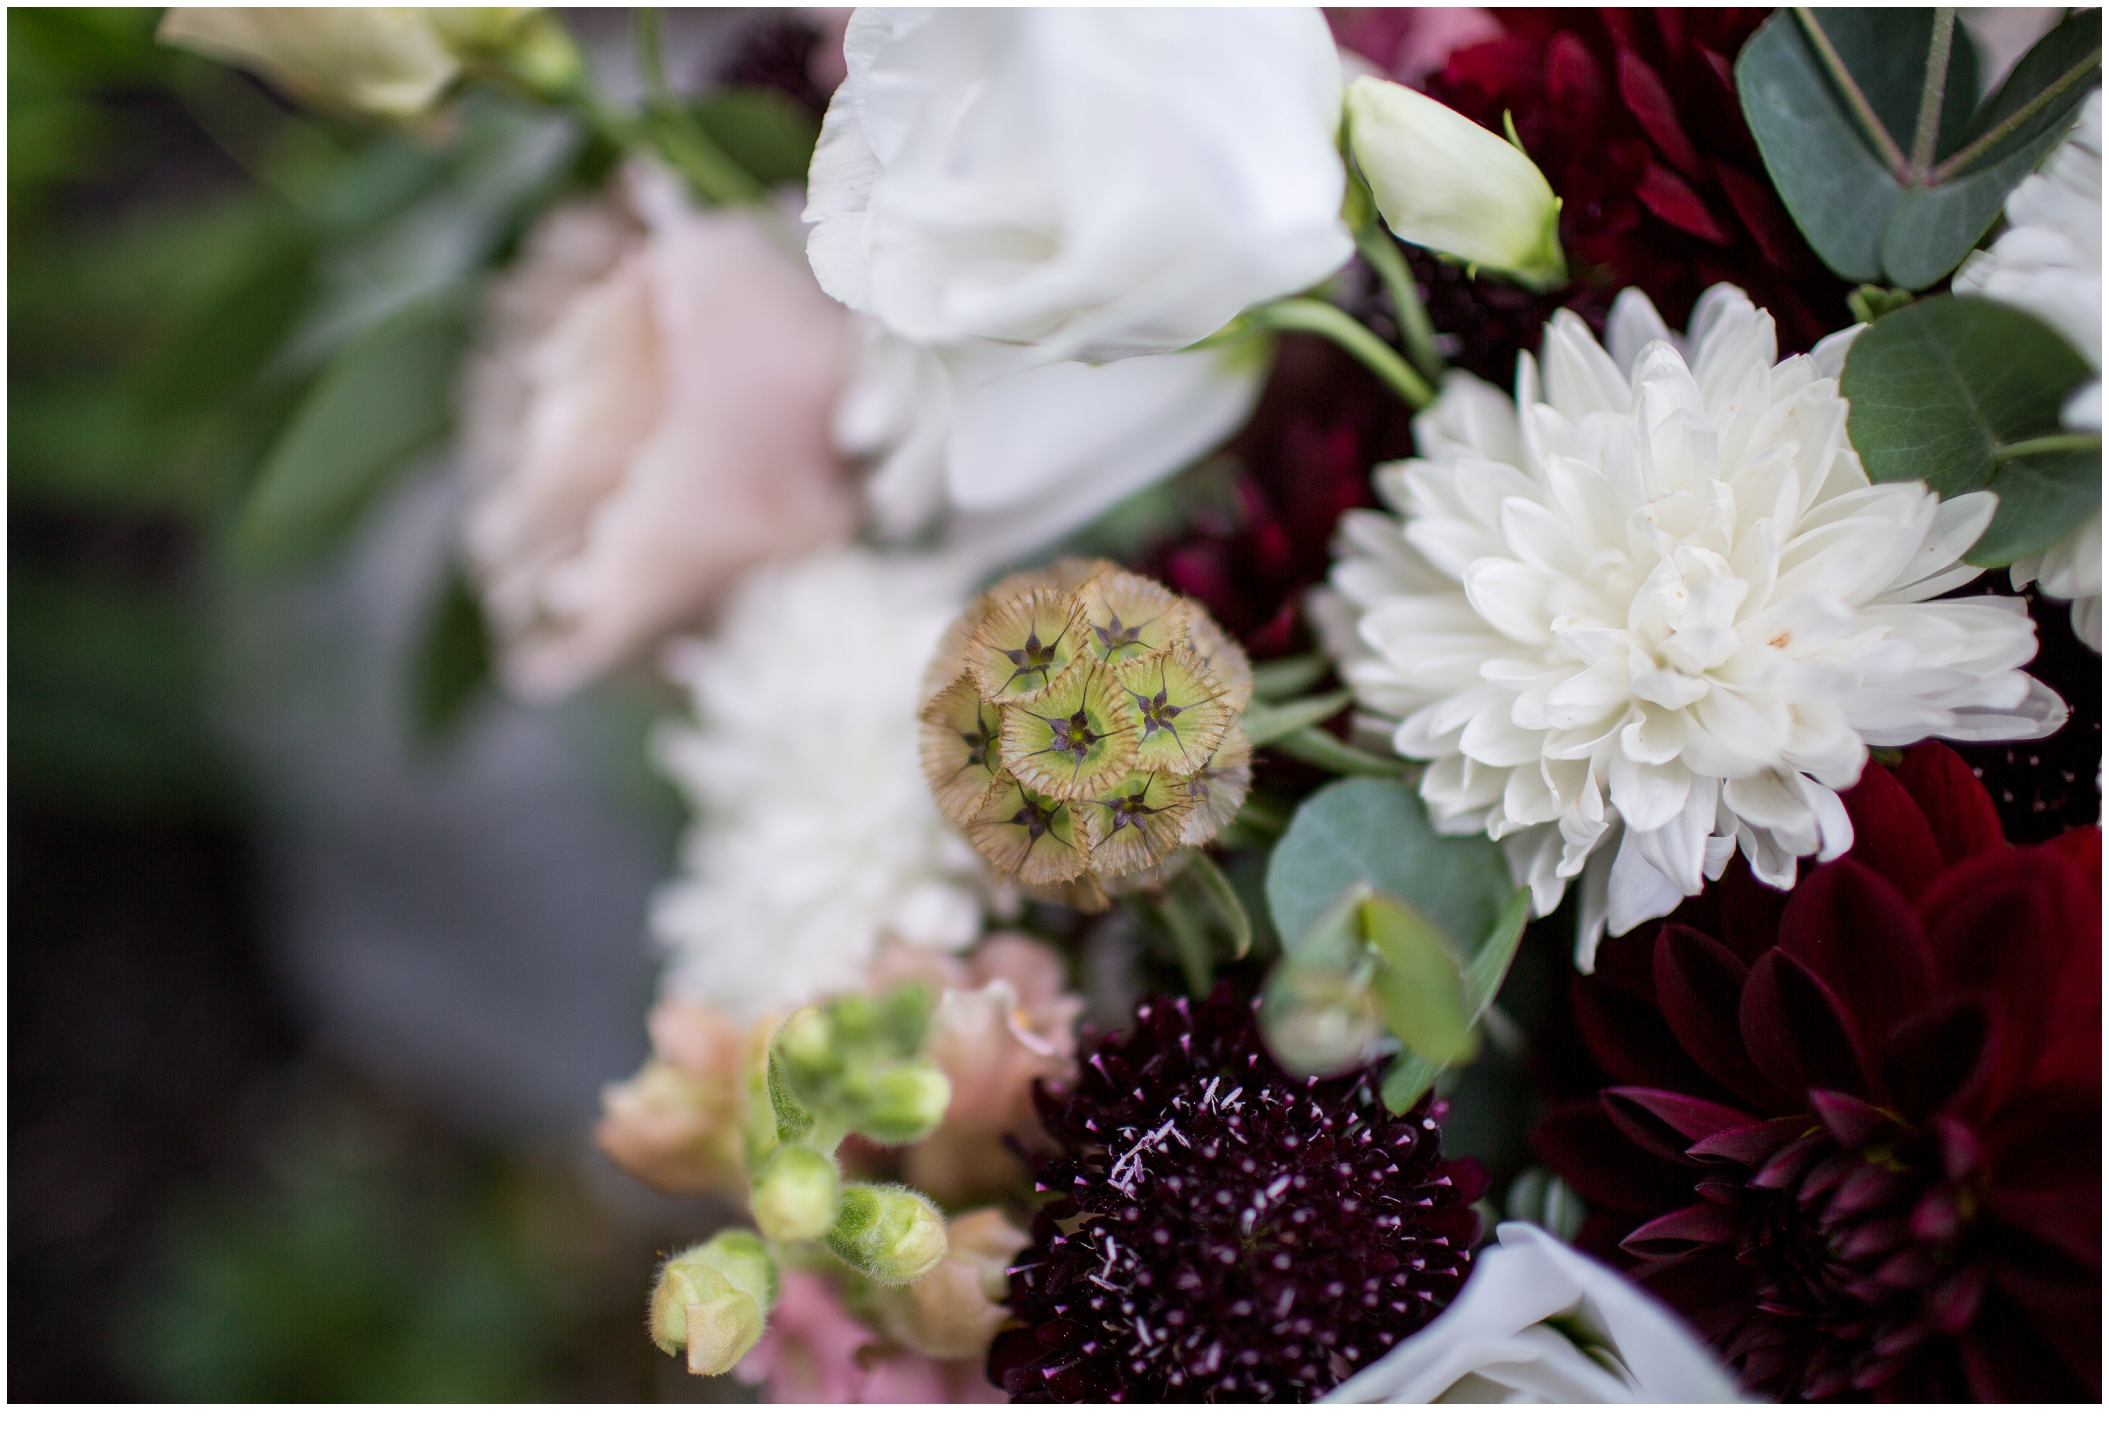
1082	726
1223	1232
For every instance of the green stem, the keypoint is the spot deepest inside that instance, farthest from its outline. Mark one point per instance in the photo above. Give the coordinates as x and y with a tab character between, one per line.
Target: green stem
671	129
2043	445
1389	262
1320	318
2049	94
1224	899
651	55
1843	79
1933	92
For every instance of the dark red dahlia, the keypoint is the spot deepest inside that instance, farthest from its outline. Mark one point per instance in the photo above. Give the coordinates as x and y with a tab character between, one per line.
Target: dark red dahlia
1222	1232
1854	1132
1633	117
2045	787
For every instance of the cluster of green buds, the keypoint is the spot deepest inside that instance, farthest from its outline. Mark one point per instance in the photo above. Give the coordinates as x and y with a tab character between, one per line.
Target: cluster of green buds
852	1064
1082	727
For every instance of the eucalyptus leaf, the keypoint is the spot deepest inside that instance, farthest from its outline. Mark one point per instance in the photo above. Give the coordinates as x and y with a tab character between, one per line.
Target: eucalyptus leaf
1938	389
1414	1073
1323	749
1417	986
1881	190
767	134
386	397
1375	831
1288	676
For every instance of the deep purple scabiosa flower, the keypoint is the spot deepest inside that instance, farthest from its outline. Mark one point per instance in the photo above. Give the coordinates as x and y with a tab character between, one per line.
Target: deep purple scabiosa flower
1853	1132
1222	1232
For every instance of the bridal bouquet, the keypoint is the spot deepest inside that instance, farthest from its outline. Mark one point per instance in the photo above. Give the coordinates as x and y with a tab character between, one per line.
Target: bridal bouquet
1399	708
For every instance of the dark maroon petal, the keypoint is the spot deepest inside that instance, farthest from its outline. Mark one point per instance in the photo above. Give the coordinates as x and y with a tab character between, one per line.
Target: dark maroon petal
1937	1217
1703	1225
1765	219
1882	1236
1869	1186
1643	92
1662	192
1785	1168
1687	1118
1858	934
1628	1036
1931	1061
1827	1175
1699	988
1891	836
1954	803
1796	1030
1579	1142
1749	1146
1954	1303
1854	1122
1962	1154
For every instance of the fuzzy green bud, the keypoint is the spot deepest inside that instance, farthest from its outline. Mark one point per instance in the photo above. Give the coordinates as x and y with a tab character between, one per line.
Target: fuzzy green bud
1453	186
892	1234
795	1194
714	1301
808	1044
897	1105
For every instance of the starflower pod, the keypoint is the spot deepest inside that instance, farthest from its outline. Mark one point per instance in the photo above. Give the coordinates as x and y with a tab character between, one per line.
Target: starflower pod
795	1194
1442	182
714	1300
889	1233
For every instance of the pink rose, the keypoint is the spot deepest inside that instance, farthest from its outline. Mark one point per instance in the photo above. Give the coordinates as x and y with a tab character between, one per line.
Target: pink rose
650	420
676	1124
816	1353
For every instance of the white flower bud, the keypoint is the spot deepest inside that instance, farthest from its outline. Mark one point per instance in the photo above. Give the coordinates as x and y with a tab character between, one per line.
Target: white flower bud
1452	186
795	1194
893	1234
714	1300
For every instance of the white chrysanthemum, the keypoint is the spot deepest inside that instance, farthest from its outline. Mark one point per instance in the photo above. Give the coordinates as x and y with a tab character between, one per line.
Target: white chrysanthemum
2050	265
816	837
1654	609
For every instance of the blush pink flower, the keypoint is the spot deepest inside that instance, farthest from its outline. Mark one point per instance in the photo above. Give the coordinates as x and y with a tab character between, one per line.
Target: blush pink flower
648	421
815	1352
676	1123
1004	1019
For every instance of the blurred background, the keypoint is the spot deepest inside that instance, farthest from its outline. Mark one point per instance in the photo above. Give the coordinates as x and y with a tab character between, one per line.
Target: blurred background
319	950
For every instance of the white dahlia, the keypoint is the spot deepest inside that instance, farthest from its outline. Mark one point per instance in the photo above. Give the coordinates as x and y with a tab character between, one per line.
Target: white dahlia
1654	609
2049	263
815	838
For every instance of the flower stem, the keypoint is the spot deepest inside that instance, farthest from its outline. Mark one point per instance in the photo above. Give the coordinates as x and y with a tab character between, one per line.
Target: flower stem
673	131
1933	92
1321	318
1389	262
2041	445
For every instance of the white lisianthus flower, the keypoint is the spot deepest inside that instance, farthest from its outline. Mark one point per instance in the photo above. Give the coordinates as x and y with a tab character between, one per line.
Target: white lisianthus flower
1653	609
1013	462
1077	184
2050	265
816	838
1447	183
1538	1323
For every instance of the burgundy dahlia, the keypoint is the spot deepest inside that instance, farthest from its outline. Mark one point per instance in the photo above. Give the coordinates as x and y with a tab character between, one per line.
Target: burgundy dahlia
1633	117
1854	1132
1222	1232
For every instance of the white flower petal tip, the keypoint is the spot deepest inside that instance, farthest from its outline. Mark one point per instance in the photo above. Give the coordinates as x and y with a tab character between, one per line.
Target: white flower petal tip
1653	611
1442	182
1539	1323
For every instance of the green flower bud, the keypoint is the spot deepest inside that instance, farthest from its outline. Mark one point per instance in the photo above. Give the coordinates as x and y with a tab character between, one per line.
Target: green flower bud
807	1043
897	1105
1081	728
1452	186
893	1234
714	1300
795	1194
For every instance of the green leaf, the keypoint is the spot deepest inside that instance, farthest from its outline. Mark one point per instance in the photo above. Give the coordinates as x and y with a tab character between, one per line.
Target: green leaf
1939	388
1323	749
1417	987
452	665
1208	879
1414	1072
1843	148
1375	831
1316	1011
767	134
385	398
1264	723
1288	676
